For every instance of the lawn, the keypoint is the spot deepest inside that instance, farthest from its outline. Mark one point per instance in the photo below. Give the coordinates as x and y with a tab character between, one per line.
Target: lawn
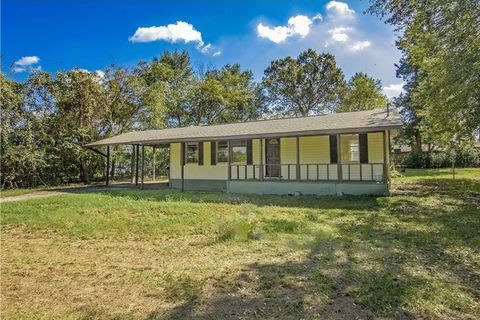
132	254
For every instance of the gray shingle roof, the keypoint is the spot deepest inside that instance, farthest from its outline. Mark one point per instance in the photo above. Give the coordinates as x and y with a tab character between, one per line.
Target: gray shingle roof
346	122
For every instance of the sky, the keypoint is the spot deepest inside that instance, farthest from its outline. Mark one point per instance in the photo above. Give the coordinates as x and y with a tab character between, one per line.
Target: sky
92	35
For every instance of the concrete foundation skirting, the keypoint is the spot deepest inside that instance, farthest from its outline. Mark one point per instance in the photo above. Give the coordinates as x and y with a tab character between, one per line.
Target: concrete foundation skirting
199	184
313	188
282	187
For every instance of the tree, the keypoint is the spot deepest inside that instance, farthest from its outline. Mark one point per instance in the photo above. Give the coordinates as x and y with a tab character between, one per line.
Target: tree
81	104
310	84
363	93
123	107
225	95
439	41
167	83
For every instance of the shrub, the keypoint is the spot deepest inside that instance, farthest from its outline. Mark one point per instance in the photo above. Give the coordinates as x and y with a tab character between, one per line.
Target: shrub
464	155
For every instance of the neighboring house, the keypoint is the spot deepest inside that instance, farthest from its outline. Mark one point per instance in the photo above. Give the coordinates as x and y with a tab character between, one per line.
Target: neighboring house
342	153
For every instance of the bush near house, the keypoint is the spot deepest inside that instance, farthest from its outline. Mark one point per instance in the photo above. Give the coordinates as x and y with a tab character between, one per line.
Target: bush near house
464	156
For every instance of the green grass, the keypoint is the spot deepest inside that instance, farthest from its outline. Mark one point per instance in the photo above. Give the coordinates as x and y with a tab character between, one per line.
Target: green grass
164	254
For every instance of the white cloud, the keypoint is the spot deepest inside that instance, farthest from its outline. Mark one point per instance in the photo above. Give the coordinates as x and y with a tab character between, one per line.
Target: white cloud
339	34
300	25
217	53
297	25
318	16
178	32
18	69
276	34
360	45
27	61
26	64
393	90
205	48
340	9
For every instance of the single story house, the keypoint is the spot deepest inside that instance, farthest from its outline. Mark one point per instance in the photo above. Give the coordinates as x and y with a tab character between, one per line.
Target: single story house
334	154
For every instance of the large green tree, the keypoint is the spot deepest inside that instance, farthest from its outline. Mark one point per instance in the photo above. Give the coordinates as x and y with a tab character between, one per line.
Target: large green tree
310	84
440	43
363	93
167	84
225	95
81	105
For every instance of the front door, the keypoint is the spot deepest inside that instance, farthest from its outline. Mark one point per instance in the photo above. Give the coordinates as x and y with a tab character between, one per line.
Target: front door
272	150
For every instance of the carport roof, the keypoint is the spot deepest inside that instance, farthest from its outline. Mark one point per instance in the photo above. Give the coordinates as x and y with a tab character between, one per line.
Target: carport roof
346	122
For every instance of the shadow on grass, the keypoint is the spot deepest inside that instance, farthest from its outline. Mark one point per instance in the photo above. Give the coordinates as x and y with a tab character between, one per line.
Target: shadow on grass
305	201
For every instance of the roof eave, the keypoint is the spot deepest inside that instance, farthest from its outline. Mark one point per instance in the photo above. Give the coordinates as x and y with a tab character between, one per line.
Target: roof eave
250	136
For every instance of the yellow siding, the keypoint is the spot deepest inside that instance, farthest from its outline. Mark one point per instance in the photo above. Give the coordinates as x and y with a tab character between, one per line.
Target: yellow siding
256	151
375	147
288	156
193	170
207	171
288	150
315	149
175	165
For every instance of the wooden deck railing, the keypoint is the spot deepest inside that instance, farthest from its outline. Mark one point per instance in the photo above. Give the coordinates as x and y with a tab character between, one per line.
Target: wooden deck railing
307	172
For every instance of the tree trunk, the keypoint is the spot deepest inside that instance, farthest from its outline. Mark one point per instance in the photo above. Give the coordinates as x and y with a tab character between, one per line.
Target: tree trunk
418	141
84	177
112	169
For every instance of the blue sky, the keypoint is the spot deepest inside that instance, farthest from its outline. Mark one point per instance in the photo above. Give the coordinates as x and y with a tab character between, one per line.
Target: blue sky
60	35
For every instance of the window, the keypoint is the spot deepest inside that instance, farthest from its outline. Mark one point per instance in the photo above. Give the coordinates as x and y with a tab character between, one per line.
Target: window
239	151
222	151
349	148
191	152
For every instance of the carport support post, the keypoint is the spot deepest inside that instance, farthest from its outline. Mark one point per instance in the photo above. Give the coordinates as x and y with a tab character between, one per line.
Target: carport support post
153	163
143	165
182	164
107	176
297	167
339	159
132	164
261	160
137	151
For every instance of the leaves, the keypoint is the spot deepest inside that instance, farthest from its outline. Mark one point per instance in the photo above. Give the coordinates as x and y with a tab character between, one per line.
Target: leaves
441	63
310	84
363	93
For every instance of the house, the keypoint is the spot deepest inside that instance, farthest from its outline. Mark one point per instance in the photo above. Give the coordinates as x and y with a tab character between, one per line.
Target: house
334	154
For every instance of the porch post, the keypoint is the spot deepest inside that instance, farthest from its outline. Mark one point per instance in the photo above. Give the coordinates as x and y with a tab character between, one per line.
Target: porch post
137	151
153	163
229	160
339	159
182	163
132	164
261	159
107	177
297	174
143	165
385	166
